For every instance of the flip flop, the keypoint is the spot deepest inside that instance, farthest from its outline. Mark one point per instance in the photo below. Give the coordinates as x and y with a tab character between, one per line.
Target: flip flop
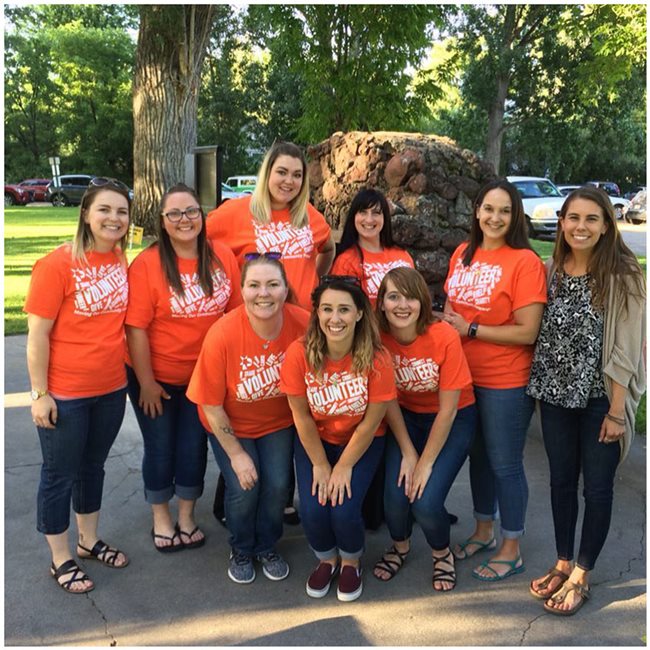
189	544
552	573
497	576
172	548
103	553
560	596
490	545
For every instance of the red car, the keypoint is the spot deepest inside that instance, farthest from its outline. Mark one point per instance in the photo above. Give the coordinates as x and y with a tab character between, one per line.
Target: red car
37	187
16	195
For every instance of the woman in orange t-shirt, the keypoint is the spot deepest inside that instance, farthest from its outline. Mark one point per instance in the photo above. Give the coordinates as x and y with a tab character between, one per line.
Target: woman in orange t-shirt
432	422
338	381
76	304
496	291
367	250
236	385
180	286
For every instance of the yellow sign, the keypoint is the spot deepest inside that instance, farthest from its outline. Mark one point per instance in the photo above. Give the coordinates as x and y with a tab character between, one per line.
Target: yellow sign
135	235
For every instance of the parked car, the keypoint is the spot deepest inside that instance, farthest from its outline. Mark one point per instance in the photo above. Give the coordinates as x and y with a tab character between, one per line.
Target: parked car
245	184
542	202
637	210
16	195
633	192
71	189
619	203
611	188
227	193
37	188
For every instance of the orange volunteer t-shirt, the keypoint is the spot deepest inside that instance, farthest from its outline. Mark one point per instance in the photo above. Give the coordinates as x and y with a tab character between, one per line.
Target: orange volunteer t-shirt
374	268
241	372
87	303
488	291
434	361
176	325
339	400
233	224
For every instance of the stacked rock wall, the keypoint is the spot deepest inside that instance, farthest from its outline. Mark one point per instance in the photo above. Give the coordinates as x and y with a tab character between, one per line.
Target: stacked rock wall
430	183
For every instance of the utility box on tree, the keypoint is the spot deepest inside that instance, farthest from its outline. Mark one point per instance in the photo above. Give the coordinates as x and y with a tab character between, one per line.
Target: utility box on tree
204	172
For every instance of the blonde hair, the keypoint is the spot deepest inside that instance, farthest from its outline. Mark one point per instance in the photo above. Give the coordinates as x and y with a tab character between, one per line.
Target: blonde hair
366	342
260	205
83	240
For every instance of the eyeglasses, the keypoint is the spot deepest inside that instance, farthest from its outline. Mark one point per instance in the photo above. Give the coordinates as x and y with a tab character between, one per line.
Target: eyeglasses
175	216
270	255
347	279
101	181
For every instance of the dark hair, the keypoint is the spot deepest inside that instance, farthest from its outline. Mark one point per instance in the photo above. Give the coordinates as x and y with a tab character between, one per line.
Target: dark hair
610	256
411	284
83	240
258	261
366	340
517	233
207	258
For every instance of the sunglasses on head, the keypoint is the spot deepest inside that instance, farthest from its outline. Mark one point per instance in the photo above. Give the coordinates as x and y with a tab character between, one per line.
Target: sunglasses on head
101	181
348	279
271	255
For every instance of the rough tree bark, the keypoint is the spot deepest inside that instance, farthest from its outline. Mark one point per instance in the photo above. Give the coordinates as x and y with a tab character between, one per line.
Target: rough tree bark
172	44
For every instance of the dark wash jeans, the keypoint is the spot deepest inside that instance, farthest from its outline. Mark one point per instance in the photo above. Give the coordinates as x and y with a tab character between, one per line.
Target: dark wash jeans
255	516
74	453
571	441
175	445
429	510
339	529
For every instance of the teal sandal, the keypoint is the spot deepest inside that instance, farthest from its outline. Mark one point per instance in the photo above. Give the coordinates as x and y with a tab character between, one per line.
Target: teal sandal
482	546
514	569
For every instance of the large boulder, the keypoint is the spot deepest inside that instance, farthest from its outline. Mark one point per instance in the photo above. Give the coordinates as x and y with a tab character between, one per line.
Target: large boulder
430	182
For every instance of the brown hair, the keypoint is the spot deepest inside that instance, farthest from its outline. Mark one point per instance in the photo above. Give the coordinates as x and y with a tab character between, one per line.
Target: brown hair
411	284
366	342
610	256
291	296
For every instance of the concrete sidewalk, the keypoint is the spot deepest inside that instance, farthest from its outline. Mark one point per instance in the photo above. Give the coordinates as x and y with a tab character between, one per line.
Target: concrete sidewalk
187	599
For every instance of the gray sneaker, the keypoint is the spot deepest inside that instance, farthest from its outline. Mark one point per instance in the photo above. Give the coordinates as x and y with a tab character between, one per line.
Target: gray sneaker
273	566
241	568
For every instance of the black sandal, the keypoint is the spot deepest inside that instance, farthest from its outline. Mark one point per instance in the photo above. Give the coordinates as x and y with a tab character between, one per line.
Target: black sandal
190	544
104	553
389	565
441	574
171	548
70	567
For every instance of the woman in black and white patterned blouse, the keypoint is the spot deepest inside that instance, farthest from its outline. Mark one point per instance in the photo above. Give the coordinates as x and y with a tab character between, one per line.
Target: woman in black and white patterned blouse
588	373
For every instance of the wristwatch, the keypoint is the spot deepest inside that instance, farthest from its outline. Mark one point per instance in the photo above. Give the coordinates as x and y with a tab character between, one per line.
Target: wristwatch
472	329
37	394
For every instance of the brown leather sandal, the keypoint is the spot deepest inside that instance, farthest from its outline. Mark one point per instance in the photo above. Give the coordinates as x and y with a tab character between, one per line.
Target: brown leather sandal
542	586
560	596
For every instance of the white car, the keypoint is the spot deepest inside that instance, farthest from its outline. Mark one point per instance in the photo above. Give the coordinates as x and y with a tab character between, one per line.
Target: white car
619	204
542	202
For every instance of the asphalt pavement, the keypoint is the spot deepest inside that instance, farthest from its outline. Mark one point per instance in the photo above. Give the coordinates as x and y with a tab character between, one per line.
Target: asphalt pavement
187	599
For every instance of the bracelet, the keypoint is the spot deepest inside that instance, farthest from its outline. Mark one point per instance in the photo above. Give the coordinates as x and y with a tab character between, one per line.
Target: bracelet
613	418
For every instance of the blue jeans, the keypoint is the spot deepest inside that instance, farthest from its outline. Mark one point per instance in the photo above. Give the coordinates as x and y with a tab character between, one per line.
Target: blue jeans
175	445
336	529
255	516
496	466
74	453
429	510
571	441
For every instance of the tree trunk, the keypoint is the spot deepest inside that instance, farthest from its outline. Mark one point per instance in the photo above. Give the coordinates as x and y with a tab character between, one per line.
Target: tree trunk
495	123
172	44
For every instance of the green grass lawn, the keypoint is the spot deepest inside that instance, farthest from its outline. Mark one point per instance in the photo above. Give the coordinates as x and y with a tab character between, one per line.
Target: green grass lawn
31	233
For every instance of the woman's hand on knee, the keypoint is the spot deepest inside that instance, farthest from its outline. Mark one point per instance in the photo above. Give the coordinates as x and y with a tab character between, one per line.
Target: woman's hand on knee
244	468
320	482
420	479
340	484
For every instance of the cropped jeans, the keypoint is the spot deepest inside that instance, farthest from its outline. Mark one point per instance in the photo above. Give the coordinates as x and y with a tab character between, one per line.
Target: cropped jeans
336	530
571	442
255	516
429	510
496	466
74	453
175	445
